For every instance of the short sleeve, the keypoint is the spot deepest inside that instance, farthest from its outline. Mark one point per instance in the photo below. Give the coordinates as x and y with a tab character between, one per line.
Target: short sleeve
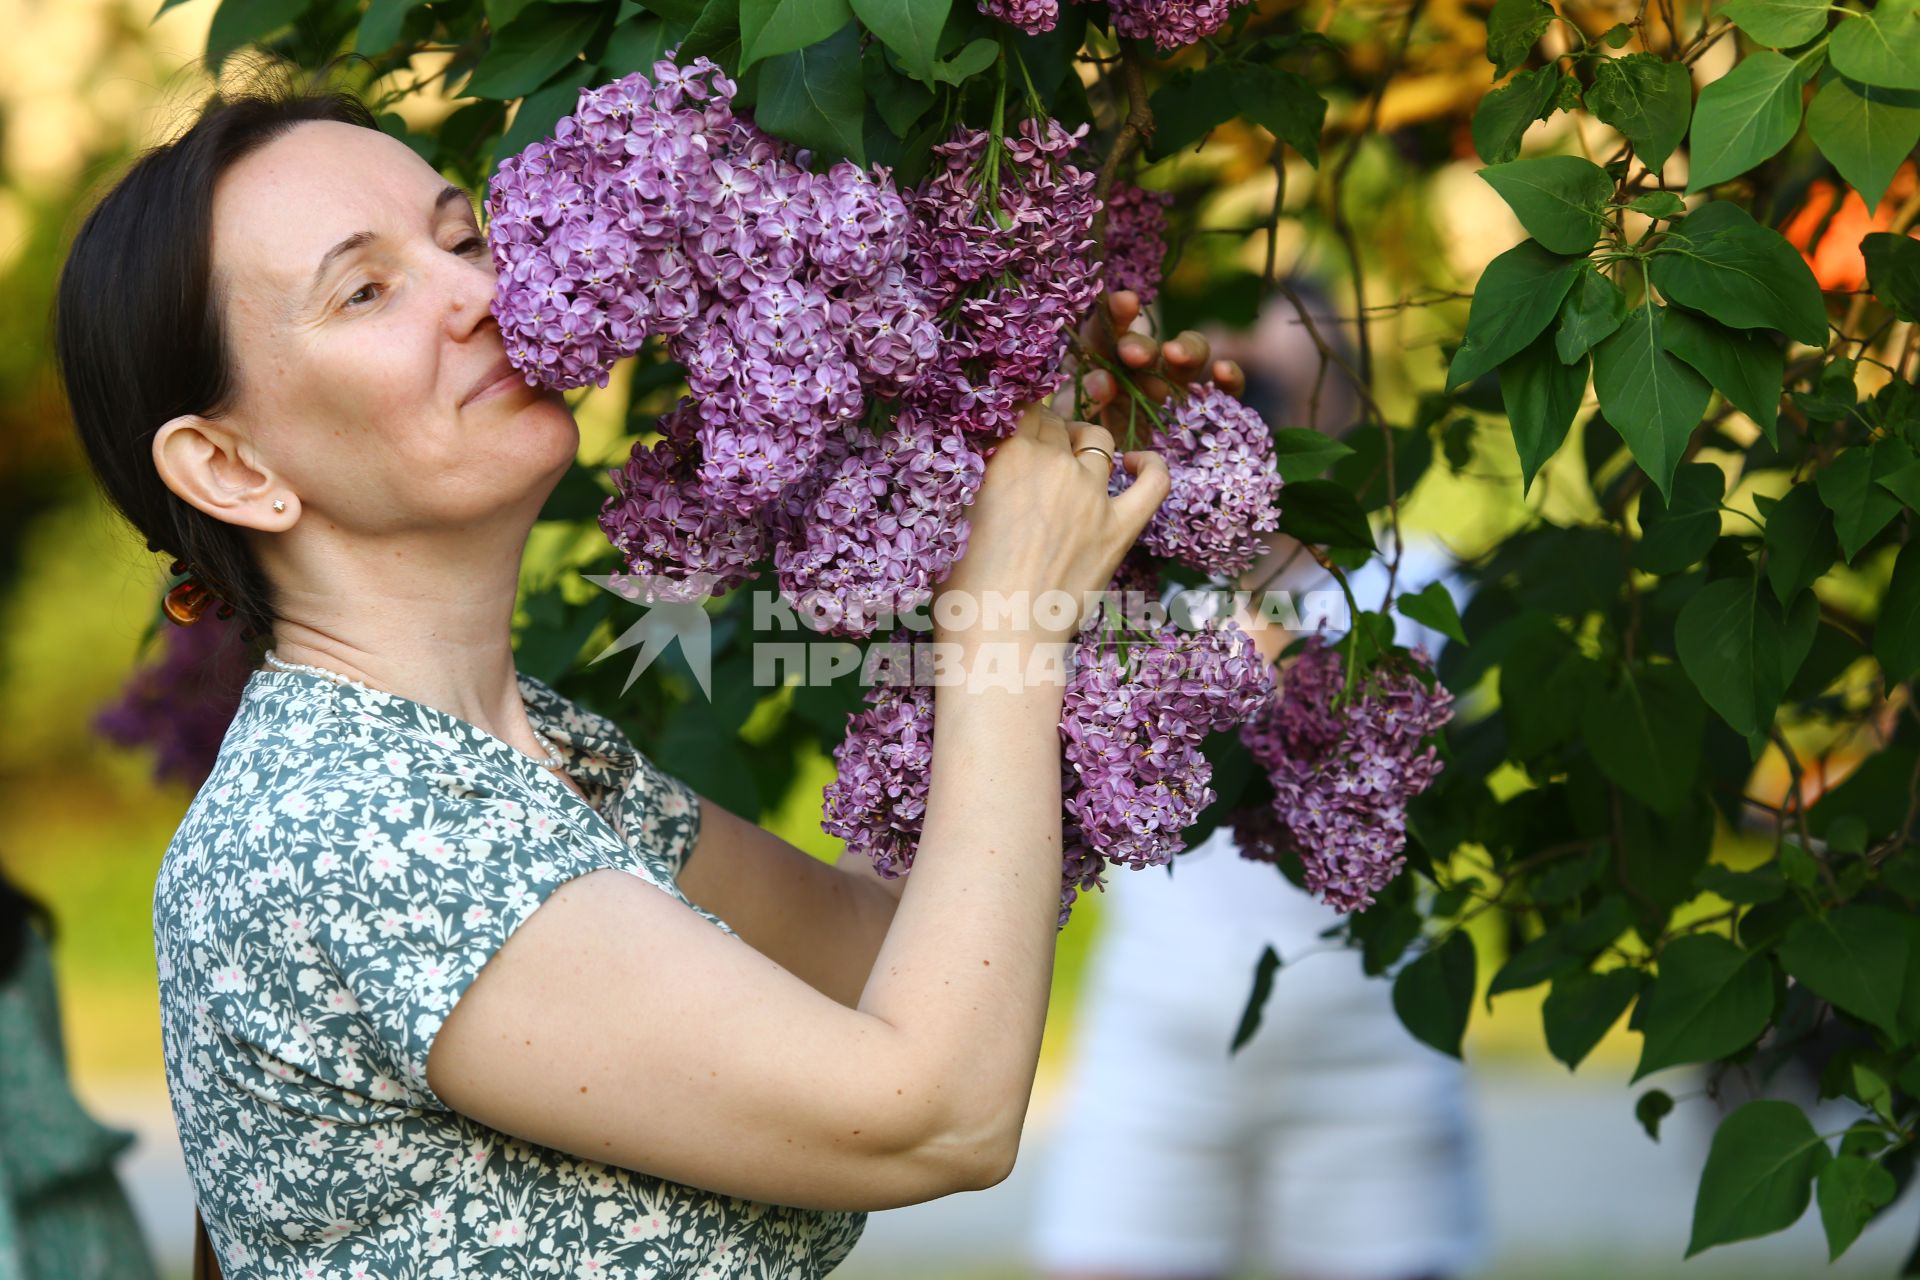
669	811
406	886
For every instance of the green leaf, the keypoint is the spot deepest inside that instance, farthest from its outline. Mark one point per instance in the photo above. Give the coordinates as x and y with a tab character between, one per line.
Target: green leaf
1647	98
1867	131
381	24
1675	535
1545	683
686	12
1779	23
1325	514
1893	272
769	27
637	44
1860	507
1187	107
527	52
1759	1174
243	22
1851	1190
1432	606
1505	115
1729	636
1896	633
1263	971
1653	399
1301	453
1513	28
1516	298
1645	734
1593	309
1859	958
1433	994
813	96
1709	999
1659	204
1719	261
1652	1107
717	27
1281	102
1880	48
901	101
1745	116
1582	1006
1903	484
1799	541
911	28
1540	395
1560	200
538	112
1746	366
976	57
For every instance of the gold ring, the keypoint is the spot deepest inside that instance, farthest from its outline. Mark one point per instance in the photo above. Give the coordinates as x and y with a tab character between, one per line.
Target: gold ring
1094	448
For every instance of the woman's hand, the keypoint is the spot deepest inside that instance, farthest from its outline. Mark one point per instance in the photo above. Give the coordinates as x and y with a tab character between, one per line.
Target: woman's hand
1116	333
1043	522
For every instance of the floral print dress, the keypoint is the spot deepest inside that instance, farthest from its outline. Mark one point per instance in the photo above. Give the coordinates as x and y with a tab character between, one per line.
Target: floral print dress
344	874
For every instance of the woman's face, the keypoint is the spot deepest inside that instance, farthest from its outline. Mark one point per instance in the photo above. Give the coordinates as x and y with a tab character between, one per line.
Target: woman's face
354	364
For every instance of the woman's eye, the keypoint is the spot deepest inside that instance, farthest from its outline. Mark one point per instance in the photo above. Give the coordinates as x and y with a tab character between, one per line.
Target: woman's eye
471	245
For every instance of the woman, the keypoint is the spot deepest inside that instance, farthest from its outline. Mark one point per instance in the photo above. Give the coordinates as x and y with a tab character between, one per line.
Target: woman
436	997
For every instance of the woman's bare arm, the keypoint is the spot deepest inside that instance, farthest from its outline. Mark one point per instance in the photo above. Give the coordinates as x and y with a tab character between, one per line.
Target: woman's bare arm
809	917
618	1025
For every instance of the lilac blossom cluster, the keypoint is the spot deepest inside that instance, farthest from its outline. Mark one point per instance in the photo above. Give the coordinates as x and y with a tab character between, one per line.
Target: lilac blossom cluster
1132	773
851	355
1001	243
1136	239
1343	773
1035	17
1170	24
1225	482
181	705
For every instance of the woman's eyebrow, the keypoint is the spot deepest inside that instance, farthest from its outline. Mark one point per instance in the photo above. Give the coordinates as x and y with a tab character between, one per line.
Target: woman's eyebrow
447	194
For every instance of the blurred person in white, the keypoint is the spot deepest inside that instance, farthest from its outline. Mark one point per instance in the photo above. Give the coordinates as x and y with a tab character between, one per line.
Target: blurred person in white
1333	1145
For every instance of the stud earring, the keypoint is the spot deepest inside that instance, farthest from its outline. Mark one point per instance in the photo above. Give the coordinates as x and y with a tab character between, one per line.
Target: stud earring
279	505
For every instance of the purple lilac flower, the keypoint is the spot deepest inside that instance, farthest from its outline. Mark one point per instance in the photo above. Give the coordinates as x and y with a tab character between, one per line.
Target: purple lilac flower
1170	24
182	704
1006	261
1343	775
1132	731
1035	17
1136	239
883	523
1225	482
878	799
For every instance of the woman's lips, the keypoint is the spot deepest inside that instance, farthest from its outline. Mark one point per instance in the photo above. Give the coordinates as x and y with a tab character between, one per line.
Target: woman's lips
508	380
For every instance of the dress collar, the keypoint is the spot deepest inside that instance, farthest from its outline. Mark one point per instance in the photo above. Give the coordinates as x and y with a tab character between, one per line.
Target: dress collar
592	743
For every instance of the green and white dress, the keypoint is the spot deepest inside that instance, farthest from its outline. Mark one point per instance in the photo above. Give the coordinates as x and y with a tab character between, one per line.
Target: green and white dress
343	875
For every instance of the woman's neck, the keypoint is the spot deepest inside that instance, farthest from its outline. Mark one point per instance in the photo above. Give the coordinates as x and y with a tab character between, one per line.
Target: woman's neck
428	619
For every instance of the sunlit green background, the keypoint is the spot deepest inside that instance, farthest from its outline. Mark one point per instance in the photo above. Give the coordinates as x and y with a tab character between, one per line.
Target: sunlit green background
83	84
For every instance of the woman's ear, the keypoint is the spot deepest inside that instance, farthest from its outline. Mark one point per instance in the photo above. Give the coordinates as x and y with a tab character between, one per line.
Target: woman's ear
211	468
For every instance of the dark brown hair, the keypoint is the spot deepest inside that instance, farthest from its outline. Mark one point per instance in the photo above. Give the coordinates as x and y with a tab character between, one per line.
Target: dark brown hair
138	327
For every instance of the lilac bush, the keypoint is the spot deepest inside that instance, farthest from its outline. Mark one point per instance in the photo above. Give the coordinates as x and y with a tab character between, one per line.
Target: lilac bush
181	704
1136	239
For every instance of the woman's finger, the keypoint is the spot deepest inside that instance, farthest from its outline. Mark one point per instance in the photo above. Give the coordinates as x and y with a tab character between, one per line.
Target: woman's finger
1151	484
1098	389
1090	436
1137	350
1230	377
1123	307
1184	357
1041	424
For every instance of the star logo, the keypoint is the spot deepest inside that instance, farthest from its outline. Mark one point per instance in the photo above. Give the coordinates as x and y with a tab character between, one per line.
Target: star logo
675	613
